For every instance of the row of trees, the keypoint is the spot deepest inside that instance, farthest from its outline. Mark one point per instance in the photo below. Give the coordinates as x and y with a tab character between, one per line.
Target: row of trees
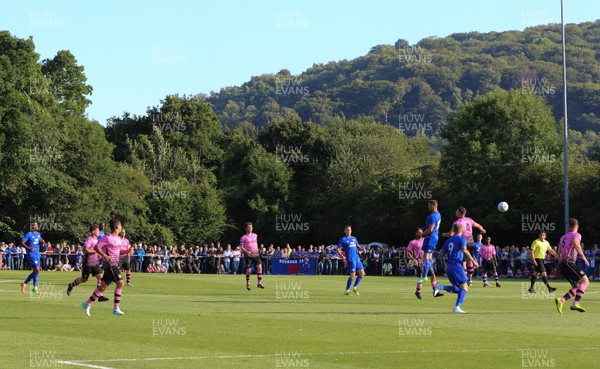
177	175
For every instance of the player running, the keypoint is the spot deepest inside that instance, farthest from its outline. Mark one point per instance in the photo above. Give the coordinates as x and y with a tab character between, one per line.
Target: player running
124	261
539	247
31	242
467	225
488	261
456	248
568	249
432	226
249	246
347	249
109	248
91	263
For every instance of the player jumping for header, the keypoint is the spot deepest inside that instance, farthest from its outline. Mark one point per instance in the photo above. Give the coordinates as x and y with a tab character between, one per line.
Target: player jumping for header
467	226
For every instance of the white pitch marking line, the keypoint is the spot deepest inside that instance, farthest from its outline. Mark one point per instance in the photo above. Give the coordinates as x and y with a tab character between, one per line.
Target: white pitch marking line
8	281
76	363
328	353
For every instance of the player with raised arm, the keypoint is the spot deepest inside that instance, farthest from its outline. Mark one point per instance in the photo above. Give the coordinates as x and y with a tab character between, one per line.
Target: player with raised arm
455	247
488	261
348	250
125	260
109	248
431	233
31	242
91	263
467	226
569	248
249	247
539	247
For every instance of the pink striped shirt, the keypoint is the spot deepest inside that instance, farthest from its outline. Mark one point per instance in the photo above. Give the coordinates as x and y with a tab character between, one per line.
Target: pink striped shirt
249	242
89	244
111	246
124	246
568	251
467	227
487	252
124	243
415	247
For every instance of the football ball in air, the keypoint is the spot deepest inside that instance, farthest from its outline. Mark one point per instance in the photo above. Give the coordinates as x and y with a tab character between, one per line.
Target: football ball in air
503	206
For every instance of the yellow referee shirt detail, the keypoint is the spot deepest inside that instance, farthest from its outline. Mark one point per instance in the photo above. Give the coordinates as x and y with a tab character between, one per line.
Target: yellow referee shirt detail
539	248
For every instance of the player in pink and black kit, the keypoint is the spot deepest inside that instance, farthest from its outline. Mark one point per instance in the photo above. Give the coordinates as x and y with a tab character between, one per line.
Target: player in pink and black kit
109	248
124	261
249	246
569	248
467	225
91	264
415	253
488	260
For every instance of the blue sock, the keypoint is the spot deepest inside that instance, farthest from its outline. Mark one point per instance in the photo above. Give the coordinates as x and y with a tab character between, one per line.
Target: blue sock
35	280
462	294
348	284
358	279
29	278
427	265
451	289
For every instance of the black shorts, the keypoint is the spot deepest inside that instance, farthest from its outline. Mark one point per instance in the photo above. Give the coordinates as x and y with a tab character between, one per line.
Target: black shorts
540	267
571	271
94	270
124	263
252	260
488	265
415	264
471	249
112	274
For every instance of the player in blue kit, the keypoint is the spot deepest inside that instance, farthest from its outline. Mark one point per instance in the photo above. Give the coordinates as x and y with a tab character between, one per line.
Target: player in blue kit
455	247
477	245
431	233
349	245
31	242
101	234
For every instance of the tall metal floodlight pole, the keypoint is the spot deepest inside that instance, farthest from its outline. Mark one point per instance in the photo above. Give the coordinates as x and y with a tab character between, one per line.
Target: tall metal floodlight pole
566	126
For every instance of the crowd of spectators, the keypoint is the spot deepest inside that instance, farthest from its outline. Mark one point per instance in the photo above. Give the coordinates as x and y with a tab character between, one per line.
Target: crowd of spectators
53	257
213	258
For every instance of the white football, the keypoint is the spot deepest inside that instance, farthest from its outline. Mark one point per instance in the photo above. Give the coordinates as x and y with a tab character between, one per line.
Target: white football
503	206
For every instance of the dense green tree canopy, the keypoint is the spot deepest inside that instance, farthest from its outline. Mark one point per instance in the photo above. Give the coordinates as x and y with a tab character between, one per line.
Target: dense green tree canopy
469	119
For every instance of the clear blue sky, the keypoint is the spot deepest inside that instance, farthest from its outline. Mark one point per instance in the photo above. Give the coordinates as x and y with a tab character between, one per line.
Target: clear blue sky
136	52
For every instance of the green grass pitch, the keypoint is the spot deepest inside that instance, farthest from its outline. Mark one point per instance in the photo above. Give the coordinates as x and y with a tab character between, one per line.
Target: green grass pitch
211	321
